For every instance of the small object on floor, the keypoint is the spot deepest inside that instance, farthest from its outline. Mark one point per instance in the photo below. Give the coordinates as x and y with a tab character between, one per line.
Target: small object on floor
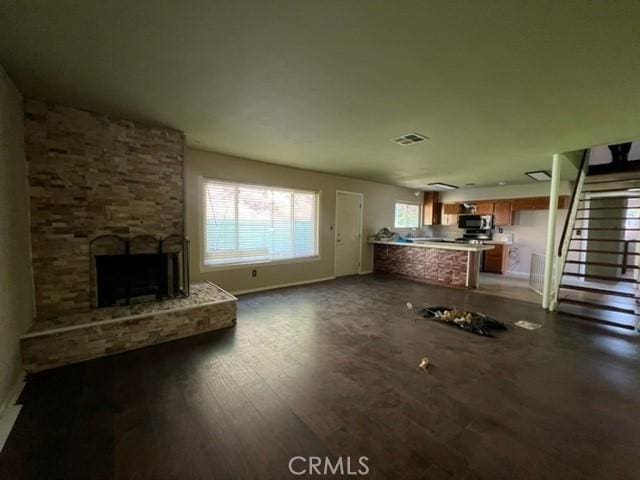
424	363
410	305
528	325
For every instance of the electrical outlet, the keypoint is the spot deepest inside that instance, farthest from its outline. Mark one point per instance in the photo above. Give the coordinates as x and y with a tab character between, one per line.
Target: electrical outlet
254	273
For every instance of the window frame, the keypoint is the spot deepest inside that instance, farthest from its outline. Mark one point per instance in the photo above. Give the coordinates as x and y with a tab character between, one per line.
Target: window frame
204	267
405	202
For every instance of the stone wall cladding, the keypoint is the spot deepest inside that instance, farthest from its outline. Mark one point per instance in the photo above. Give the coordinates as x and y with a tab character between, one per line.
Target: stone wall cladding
63	348
436	265
91	174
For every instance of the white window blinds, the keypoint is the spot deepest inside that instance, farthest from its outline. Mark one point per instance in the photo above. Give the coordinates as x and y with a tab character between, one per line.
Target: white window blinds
407	215
250	223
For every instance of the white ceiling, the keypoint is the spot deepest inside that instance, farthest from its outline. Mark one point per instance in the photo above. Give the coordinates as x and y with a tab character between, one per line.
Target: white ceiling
497	86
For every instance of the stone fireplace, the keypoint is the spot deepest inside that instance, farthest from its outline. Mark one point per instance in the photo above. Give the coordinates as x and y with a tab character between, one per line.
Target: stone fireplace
92	175
107	231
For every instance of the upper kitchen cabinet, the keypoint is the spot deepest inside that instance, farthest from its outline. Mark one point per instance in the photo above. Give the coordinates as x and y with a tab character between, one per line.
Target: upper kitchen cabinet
450	212
537	203
431	209
484	208
450	209
564	201
530	203
502	213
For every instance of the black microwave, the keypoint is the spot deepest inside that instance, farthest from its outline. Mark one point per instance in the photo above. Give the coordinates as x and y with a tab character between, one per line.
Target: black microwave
475	222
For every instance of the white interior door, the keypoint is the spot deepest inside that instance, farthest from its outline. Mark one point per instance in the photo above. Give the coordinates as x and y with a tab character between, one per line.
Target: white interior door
348	233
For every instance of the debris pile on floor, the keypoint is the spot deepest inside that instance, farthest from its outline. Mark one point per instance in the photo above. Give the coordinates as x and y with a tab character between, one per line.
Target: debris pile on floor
472	322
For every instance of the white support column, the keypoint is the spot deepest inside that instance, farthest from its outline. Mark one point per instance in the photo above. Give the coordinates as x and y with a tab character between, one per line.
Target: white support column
550	259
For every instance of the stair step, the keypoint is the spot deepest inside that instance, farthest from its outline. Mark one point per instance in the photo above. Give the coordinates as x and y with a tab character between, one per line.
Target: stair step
598	181
599	175
599	306
602	264
591	250
599	291
604	229
610	197
578	239
607	218
606	208
611	190
612	170
611	319
602	277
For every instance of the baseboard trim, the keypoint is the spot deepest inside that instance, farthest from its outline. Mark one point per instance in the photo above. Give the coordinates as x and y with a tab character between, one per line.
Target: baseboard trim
282	285
366	272
9	410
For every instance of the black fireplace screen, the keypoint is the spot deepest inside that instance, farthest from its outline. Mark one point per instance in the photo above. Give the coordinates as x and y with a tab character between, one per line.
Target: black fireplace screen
138	269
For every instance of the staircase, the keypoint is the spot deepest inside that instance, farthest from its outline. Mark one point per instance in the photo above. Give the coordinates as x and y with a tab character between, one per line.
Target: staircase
597	273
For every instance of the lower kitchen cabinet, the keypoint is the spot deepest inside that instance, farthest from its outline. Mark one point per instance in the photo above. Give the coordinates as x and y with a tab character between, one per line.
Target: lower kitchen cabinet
497	259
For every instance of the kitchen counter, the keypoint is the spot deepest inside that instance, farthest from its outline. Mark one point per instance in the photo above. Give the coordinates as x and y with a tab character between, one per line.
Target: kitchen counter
447	263
443	245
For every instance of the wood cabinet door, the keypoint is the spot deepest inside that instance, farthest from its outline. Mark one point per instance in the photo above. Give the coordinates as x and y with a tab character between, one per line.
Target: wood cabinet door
450	213
563	201
540	203
521	204
484	208
450	208
497	259
431	209
502	213
530	203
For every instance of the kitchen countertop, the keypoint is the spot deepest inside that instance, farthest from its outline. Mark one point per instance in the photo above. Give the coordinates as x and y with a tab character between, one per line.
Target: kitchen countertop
465	247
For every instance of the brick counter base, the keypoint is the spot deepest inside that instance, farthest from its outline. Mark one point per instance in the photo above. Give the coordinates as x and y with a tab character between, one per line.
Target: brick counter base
53	347
427	264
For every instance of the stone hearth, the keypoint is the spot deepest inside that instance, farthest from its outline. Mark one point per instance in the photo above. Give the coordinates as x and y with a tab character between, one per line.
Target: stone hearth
99	332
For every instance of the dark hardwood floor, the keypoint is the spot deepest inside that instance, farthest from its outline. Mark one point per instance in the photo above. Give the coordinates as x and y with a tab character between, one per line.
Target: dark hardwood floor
332	370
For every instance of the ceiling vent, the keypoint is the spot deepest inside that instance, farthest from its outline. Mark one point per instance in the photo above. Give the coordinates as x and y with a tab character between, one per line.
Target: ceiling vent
410	139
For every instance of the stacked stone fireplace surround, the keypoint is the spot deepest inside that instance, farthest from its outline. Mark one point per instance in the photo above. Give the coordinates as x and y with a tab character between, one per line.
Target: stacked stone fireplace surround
89	175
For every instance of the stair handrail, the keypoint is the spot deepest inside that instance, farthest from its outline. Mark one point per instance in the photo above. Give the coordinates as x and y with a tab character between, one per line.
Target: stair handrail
569	223
574	200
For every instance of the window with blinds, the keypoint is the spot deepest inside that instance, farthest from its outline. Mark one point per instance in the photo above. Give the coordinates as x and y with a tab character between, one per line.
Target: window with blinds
407	215
250	223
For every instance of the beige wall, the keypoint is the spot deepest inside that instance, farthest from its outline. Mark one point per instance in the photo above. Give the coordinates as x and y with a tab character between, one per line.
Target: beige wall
379	202
530	235
16	294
